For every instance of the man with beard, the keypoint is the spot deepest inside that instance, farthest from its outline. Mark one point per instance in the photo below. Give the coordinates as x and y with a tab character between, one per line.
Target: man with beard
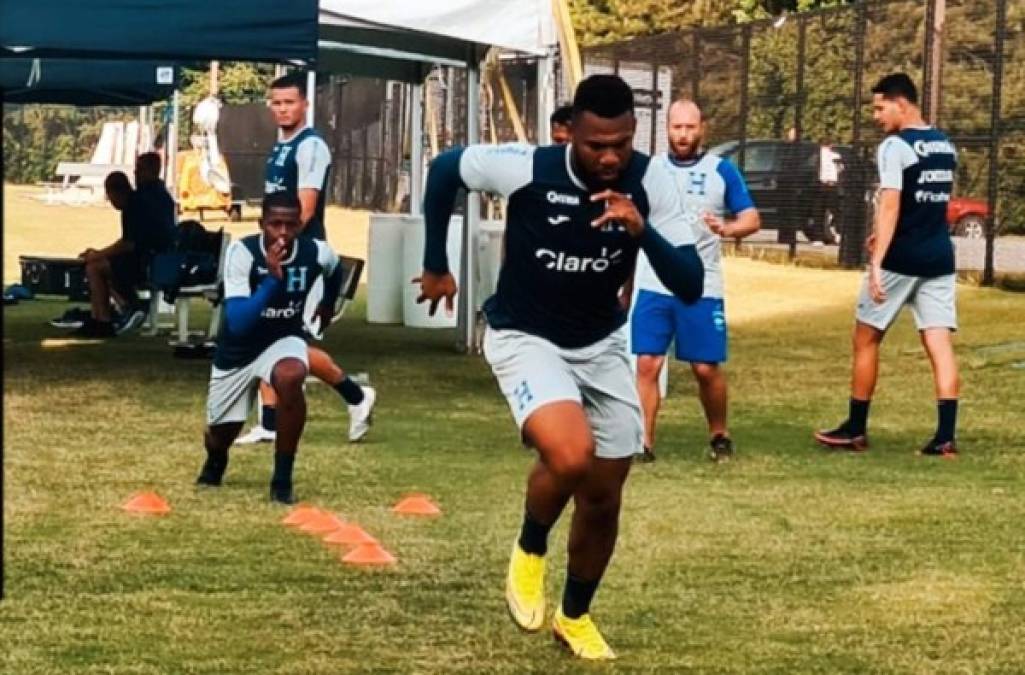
716	204
577	216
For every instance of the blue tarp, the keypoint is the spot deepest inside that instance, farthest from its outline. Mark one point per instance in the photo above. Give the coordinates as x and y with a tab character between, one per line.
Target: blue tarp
243	30
79	82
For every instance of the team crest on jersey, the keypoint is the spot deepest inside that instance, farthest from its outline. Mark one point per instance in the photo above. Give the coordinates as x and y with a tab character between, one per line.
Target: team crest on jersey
295	279
283	155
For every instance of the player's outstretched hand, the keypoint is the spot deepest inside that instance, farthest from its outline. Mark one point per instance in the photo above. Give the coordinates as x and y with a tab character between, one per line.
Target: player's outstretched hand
619	208
434	287
275	254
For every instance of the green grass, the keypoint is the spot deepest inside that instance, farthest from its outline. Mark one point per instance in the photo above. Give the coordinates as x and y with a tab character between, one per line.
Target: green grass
789	560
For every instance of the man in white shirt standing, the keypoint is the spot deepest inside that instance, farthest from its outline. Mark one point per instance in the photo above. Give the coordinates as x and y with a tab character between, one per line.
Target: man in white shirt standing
710	190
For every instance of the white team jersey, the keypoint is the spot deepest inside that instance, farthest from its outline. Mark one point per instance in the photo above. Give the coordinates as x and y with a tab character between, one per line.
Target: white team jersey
710	184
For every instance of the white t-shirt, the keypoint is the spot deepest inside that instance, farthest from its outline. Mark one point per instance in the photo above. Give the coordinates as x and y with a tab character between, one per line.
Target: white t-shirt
707	184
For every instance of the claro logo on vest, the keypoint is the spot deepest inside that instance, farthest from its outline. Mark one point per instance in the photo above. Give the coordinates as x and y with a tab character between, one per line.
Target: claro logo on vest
560	262
294	307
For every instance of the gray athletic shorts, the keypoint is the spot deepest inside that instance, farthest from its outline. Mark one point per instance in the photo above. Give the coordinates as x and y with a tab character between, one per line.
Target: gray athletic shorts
232	392
533	372
931	300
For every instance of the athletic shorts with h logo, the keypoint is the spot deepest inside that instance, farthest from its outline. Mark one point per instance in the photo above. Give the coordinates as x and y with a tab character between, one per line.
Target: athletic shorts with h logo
533	372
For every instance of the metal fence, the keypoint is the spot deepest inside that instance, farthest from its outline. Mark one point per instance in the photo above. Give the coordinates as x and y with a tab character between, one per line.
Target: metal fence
788	101
365	123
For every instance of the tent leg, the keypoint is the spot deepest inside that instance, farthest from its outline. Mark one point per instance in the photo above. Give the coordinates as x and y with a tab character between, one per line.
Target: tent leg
468	296
311	97
416	149
172	146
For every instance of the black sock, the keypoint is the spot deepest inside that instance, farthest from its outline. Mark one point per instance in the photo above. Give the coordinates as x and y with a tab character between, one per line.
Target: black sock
946	409
269	418
857	417
350	391
576	599
281	482
216	464
534	535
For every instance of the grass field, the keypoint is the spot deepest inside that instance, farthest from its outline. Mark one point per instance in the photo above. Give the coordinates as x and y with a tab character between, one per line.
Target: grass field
788	560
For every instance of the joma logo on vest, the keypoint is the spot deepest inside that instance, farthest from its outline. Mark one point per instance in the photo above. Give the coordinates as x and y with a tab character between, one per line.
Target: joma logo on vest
560	262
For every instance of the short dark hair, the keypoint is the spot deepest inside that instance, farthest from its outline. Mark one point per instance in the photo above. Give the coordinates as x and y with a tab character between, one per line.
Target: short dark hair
148	163
295	79
606	96
897	84
117	182
283	199
562	115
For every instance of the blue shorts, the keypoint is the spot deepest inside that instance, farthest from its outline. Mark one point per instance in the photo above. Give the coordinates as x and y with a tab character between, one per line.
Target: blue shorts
699	329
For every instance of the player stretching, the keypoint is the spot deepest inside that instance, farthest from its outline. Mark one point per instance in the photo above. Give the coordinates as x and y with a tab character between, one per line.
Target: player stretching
267	279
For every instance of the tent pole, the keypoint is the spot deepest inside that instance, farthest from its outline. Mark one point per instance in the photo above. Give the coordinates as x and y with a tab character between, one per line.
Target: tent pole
171	168
416	148
468	296
311	96
545	99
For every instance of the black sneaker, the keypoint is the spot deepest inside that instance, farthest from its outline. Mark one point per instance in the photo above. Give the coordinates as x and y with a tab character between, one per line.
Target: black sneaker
841	438
934	449
130	320
646	457
720	448
95	329
73	318
282	494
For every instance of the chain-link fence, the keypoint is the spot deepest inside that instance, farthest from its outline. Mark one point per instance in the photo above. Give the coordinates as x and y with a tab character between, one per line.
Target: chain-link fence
788	101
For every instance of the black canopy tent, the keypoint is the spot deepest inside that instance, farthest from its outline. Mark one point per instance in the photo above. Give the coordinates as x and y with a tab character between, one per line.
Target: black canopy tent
244	30
86	82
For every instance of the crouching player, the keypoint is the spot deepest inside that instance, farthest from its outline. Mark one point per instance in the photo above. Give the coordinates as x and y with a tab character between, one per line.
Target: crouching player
267	282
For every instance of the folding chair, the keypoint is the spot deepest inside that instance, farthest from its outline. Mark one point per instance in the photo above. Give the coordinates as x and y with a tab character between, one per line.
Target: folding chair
182	296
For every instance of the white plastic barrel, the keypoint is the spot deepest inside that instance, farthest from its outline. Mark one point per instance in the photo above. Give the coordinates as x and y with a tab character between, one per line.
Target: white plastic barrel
384	266
413	314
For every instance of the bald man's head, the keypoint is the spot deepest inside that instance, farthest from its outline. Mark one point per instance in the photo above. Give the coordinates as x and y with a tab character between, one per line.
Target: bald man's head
686	129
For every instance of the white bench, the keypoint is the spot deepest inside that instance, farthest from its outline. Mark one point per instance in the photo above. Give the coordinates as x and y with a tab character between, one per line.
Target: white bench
80	182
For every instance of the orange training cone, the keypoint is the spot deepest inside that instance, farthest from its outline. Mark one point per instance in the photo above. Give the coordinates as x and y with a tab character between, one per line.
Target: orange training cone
369	554
322	524
300	515
349	534
417	505
147	502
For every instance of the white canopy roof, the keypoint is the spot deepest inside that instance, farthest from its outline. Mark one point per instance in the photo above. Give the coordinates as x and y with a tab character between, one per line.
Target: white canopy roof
398	38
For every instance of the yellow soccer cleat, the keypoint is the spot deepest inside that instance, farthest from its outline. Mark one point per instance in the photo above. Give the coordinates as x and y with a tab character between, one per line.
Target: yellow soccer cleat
581	636
525	589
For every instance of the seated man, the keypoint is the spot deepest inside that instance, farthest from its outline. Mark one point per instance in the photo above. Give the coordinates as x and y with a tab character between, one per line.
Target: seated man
267	282
147	228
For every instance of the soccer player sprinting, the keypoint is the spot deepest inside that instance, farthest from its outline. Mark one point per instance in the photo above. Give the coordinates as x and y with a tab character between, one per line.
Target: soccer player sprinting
709	189
577	216
267	280
912	262
300	163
